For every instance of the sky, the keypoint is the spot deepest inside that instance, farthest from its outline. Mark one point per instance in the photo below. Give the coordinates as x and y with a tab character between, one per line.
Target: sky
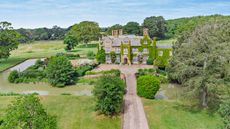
64	13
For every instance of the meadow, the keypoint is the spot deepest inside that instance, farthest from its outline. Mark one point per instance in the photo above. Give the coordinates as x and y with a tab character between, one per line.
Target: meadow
72	112
40	49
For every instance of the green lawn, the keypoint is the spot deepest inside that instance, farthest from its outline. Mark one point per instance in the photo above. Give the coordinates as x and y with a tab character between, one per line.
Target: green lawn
171	115
178	112
168	41
72	112
40	49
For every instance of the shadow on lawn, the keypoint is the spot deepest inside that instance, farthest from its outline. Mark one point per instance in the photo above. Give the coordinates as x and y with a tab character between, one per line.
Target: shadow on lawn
193	108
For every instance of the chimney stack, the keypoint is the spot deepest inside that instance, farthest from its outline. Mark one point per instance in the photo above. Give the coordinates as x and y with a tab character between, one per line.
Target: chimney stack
115	33
120	32
146	31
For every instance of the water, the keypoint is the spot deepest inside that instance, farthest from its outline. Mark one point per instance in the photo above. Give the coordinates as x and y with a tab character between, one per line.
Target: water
24	65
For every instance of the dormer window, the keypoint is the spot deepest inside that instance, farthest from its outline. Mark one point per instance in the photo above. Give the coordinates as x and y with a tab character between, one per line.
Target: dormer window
145	50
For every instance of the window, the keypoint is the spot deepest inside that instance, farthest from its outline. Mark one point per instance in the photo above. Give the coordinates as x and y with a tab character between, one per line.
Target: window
135	59
107	49
125	50
108	59
145	50
117	50
134	49
144	59
160	53
145	42
117	58
170	53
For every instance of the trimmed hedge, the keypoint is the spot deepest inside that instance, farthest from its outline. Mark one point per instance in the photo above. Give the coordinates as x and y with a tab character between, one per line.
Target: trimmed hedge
147	86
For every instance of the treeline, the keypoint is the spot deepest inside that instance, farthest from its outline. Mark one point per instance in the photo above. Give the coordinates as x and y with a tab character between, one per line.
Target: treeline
157	25
29	35
161	28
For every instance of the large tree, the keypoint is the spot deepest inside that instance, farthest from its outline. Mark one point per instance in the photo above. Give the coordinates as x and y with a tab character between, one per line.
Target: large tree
26	112
60	72
85	31
8	39
132	28
201	62
156	26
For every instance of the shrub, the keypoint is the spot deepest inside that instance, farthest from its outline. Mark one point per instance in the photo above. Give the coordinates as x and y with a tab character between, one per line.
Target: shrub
28	113
225	114
90	55
101	56
69	55
150	61
60	72
113	56
14	75
81	70
109	93
147	86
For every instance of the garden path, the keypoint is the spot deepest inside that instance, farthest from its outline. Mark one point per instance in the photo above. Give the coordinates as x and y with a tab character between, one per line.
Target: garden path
134	115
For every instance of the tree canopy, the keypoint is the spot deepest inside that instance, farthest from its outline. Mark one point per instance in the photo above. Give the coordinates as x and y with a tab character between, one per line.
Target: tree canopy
132	28
201	61
26	112
8	39
156	26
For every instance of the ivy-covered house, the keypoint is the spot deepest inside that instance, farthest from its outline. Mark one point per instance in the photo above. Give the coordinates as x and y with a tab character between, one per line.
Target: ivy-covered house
132	49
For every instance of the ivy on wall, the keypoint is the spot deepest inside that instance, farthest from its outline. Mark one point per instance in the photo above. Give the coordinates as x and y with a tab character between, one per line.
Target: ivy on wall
162	61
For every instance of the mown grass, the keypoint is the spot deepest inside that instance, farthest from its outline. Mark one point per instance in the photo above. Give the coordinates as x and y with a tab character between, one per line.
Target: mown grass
41	49
72	112
163	114
167	41
178	112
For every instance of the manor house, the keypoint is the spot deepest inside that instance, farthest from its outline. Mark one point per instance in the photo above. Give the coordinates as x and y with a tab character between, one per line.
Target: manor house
132	49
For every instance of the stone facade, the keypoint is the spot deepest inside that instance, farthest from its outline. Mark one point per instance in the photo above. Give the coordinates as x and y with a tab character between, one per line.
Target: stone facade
132	49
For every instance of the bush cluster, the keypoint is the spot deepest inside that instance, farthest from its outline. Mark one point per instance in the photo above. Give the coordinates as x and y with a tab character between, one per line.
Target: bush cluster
90	55
81	70
147	86
100	56
69	55
150	61
31	74
109	93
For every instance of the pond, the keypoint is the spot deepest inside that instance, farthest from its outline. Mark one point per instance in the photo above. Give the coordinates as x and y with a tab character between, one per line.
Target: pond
42	88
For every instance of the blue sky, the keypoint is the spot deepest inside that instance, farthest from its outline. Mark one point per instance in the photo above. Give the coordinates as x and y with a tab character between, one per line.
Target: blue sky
46	13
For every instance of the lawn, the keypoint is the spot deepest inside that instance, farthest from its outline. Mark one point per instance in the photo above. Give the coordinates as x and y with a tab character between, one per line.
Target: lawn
41	49
72	112
178	112
167	41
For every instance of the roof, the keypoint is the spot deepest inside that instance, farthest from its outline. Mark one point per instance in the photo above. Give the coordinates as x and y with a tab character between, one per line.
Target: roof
116	41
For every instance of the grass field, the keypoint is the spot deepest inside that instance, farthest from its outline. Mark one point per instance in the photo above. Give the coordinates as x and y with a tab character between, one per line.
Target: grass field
72	112
40	49
163	114
178	112
168	41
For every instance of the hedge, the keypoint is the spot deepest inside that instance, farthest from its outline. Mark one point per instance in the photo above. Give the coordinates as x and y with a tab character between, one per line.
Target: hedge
147	86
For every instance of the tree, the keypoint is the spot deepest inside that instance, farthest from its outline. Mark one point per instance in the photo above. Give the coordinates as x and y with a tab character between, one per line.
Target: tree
8	39
60	72
112	56
225	113
201	61
147	86
85	31
100	56
132	28
26	112
70	41
109	93
156	26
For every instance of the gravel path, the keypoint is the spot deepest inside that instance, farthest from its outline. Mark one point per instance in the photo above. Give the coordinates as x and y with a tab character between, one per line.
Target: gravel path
134	115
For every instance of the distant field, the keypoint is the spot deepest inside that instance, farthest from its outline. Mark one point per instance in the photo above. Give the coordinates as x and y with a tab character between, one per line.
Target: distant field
72	112
168	41
40	49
